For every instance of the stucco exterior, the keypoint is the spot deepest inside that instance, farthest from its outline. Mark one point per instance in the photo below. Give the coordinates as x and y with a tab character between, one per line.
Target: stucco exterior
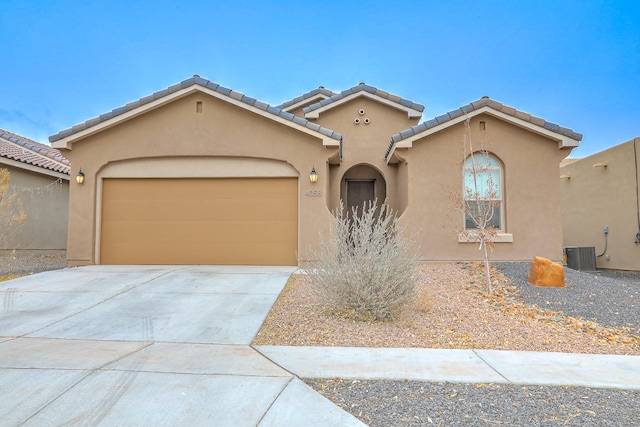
191	130
41	182
601	191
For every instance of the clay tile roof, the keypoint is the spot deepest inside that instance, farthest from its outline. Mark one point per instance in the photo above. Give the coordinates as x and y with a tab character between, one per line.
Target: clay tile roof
321	90
25	150
362	87
485	101
193	81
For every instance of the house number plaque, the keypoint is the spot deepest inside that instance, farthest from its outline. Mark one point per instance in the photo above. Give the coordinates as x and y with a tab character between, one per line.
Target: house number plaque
313	193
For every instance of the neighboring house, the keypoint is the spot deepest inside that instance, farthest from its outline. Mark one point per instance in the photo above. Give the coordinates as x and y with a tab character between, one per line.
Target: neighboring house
40	178
601	191
200	174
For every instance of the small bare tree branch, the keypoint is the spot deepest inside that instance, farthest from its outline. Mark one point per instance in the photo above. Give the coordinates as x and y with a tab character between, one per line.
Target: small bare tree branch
12	215
479	201
367	266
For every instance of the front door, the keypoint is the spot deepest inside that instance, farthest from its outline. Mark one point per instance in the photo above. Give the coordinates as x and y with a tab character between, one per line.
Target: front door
359	192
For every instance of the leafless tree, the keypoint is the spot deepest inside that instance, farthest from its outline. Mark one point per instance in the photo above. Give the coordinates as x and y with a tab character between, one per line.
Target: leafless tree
480	200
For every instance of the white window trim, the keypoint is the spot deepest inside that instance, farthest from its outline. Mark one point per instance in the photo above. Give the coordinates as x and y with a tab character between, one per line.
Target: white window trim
468	237
501	231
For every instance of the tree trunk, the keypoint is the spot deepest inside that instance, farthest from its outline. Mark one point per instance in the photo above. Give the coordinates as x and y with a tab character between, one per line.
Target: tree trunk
486	266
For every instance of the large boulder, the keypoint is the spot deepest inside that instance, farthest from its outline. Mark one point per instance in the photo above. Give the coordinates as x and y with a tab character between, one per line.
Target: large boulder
546	274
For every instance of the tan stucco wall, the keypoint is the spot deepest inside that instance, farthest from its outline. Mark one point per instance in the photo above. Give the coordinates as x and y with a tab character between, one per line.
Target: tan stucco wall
177	130
598	197
532	200
45	200
365	144
225	140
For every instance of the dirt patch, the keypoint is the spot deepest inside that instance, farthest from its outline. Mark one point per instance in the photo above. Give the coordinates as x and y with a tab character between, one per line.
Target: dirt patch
451	311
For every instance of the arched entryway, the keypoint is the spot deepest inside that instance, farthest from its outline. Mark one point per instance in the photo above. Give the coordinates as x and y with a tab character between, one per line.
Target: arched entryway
361	184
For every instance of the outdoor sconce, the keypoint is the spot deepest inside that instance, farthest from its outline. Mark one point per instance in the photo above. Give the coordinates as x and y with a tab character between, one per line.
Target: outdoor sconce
80	177
313	176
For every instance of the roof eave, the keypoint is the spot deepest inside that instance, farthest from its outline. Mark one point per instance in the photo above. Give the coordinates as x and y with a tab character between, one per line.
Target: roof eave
564	141
411	112
67	141
33	168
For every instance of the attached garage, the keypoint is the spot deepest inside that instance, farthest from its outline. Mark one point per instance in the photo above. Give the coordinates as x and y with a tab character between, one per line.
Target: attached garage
248	221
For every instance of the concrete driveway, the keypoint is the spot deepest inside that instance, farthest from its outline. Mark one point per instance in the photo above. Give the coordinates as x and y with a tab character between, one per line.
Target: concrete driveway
148	345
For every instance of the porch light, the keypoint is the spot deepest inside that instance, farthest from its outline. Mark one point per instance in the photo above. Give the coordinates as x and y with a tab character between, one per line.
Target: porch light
80	177
313	176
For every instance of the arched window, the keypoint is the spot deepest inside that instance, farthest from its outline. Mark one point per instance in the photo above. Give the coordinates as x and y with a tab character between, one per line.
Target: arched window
483	192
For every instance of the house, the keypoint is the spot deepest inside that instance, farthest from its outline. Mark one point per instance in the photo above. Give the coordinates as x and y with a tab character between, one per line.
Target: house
601	204
40	178
200	174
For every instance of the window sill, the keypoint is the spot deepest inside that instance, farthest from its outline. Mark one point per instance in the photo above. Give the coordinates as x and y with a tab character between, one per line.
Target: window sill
498	238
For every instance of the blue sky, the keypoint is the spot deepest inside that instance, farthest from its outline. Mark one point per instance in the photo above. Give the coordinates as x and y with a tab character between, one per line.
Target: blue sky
575	63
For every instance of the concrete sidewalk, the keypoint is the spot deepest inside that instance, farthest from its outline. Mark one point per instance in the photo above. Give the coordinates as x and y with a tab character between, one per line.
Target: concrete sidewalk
464	366
163	345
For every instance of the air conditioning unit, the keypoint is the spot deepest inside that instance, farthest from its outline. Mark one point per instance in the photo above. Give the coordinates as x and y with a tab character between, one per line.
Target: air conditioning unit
581	257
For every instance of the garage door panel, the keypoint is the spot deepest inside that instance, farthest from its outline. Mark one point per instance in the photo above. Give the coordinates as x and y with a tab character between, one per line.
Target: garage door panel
199	221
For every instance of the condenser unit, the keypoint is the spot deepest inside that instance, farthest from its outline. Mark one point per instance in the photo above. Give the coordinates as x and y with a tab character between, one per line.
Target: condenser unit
581	257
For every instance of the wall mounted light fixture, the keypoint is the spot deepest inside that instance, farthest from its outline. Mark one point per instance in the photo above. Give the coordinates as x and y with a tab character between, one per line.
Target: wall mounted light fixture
313	176
80	177
600	165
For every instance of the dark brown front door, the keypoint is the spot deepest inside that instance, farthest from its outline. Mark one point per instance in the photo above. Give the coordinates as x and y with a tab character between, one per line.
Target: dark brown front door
359	192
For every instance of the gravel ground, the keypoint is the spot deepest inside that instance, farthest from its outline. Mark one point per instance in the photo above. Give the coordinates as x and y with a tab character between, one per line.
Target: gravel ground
415	403
25	264
610	298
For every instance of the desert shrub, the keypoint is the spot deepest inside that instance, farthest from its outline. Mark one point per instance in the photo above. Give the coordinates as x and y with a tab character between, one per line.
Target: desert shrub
367	265
12	215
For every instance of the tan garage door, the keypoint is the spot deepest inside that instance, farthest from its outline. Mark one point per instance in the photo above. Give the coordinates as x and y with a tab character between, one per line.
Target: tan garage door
250	221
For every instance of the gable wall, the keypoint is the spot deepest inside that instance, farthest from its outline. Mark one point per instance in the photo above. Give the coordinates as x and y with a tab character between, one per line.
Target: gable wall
175	130
531	192
365	144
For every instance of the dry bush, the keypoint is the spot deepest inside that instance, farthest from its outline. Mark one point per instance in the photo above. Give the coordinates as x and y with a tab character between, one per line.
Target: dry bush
367	267
12	215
